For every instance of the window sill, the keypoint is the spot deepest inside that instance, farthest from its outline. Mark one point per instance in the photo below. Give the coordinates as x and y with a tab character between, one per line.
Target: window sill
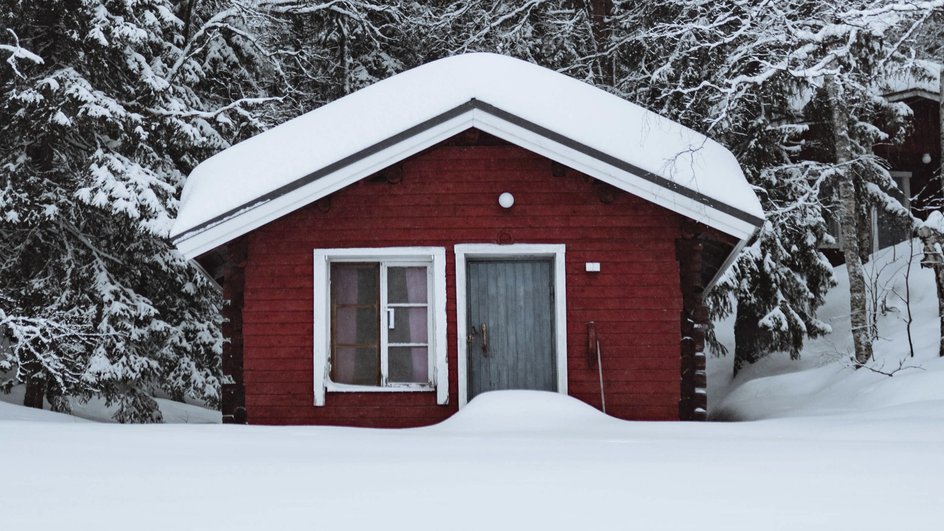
333	387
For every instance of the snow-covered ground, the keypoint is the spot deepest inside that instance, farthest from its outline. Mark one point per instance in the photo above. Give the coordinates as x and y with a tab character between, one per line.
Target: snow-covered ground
510	460
837	449
96	410
823	380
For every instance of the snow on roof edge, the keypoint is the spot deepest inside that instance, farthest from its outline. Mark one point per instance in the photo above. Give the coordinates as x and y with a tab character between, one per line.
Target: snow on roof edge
246	174
922	80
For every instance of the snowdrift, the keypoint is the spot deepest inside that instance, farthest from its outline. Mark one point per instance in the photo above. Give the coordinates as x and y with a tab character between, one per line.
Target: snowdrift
823	381
537	413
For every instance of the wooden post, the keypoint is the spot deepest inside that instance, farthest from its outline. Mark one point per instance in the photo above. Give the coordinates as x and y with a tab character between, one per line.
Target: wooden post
233	400
693	401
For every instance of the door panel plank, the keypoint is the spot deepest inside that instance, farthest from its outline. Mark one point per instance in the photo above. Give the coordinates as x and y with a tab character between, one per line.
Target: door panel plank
513	299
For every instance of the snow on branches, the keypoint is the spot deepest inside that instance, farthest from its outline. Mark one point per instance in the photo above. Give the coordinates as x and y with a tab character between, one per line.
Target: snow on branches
107	105
17	52
95	139
752	75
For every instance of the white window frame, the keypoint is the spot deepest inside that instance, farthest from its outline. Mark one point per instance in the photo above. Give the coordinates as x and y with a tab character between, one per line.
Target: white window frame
905	177
524	251
435	258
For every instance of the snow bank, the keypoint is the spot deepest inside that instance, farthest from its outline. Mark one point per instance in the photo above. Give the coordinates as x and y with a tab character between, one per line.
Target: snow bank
823	381
96	410
535	413
480	471
13	412
935	221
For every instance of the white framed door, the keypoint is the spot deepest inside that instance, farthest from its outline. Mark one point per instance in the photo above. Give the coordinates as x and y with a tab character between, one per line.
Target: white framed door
511	318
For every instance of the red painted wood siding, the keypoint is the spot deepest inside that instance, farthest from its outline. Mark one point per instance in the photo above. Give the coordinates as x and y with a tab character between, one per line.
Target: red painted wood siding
449	195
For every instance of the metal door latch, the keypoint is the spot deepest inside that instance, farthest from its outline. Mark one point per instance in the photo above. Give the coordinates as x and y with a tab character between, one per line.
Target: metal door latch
474	332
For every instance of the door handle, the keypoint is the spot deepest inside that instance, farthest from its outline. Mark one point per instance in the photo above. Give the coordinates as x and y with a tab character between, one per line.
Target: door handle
485	339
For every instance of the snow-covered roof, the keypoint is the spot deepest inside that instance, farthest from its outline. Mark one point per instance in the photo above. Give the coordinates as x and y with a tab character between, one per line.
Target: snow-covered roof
924	80
566	120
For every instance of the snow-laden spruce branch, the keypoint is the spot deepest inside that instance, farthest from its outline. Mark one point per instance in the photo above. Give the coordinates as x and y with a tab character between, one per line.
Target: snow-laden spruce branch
496	20
96	140
358	12
17	52
213	114
205	35
34	341
771	42
266	30
806	176
303	7
197	42
751	74
886	8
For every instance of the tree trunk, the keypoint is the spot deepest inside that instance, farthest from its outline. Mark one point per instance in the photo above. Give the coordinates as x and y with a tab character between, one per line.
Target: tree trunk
939	270
599	10
932	242
864	233
849	226
747	332
939	281
35	389
345	57
188	19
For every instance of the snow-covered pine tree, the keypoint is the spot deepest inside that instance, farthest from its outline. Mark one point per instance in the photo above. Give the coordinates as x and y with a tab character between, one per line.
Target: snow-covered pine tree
705	65
325	50
99	122
852	47
750	75
929	41
556	34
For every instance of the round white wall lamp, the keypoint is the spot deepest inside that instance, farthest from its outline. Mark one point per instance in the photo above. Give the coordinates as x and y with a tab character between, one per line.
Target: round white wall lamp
506	200
926	158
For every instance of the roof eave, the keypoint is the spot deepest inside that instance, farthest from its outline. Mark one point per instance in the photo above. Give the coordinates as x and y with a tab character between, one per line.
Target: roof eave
913	93
473	113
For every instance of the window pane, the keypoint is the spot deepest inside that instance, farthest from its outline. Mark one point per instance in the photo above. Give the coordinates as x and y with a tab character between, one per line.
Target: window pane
410	326
406	284
408	365
891	229
356	325
355	366
355	283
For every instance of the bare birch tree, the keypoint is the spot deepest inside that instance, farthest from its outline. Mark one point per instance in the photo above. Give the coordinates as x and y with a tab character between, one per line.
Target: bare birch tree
848	223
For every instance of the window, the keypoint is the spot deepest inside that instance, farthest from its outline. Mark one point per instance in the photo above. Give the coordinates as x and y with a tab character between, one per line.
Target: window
887	229
380	321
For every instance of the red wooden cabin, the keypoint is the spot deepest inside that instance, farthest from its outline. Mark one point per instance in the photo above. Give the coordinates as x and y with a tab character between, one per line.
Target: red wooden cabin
914	164
473	224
